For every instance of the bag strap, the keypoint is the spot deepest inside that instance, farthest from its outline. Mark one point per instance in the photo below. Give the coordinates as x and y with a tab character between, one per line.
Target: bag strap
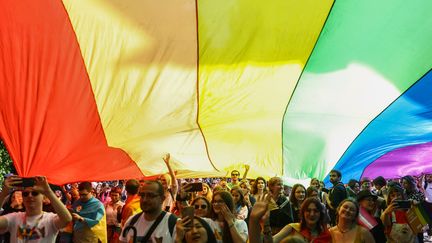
172	220
153	227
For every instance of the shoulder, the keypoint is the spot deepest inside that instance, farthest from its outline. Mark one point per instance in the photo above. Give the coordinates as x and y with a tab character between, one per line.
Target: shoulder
14	216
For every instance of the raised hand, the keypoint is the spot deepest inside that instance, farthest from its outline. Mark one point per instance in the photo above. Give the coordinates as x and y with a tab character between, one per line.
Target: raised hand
260	211
41	184
166	158
182	228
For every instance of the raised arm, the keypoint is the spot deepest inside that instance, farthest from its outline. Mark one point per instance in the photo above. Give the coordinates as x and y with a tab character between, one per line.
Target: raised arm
247	167
260	212
174	186
64	217
8	184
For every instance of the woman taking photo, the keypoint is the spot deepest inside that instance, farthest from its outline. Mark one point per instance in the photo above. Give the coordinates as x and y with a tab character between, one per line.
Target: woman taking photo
346	229
395	219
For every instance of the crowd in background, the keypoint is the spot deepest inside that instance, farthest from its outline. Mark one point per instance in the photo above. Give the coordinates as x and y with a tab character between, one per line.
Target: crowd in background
232	209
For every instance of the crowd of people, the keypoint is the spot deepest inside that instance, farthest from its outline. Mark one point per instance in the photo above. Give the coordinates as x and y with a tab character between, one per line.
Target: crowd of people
228	210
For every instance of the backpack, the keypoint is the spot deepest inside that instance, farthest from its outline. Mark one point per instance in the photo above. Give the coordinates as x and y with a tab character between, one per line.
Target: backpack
172	220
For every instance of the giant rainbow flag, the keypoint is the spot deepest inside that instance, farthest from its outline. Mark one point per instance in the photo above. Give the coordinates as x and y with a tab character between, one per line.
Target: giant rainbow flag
102	89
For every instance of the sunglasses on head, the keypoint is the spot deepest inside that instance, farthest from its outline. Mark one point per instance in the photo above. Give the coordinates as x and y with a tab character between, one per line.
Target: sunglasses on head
202	206
26	193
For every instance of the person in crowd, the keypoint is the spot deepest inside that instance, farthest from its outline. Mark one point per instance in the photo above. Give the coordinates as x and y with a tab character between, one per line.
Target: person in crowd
206	192
368	204
132	203
223	184
296	198
152	195
414	195
380	185
113	214
347	230
104	193
395	219
33	225
411	191
241	210
89	217
336	195
312	192
235	176
323	187
249	199
281	212
427	186
312	226
202	207
14	203
194	230
322	195
259	187
169	183
226	228
353	188
366	184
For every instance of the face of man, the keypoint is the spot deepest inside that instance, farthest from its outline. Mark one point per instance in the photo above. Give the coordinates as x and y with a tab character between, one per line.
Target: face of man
85	195
32	200
429	178
367	185
151	201
234	175
334	178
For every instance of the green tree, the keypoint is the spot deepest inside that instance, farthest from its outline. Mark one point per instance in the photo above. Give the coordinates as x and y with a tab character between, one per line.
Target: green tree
6	165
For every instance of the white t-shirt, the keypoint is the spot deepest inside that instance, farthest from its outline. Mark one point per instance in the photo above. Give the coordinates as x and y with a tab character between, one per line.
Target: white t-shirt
38	229
428	192
160	234
240	226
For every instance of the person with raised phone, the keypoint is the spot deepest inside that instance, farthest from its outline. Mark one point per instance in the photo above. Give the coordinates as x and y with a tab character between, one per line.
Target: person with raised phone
33	225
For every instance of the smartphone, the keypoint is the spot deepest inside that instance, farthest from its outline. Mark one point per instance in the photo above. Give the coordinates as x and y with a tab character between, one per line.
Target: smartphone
27	182
195	187
188	211
403	204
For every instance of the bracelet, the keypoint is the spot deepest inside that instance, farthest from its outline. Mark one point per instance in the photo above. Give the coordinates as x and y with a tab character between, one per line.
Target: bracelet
230	225
267	232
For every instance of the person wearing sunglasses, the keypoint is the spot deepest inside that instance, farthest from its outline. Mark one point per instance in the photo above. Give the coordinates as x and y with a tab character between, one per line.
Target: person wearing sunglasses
33	224
202	207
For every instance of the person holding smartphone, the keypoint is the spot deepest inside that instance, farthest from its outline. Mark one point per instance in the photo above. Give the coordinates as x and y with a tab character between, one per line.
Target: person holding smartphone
33	224
395	219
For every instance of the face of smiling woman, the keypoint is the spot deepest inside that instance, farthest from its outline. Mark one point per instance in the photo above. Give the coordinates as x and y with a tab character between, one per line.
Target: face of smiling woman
197	234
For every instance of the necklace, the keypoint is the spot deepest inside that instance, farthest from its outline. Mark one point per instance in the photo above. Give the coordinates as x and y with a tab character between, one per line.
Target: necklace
344	231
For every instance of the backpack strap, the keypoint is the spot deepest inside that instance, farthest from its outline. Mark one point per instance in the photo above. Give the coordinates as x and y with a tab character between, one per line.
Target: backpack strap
153	226
135	219
172	220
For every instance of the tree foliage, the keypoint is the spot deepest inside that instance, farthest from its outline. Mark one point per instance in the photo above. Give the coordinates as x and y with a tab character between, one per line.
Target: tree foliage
6	165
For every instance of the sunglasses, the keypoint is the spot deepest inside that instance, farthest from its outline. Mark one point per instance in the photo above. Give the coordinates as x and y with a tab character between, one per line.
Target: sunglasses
200	206
235	174
26	193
